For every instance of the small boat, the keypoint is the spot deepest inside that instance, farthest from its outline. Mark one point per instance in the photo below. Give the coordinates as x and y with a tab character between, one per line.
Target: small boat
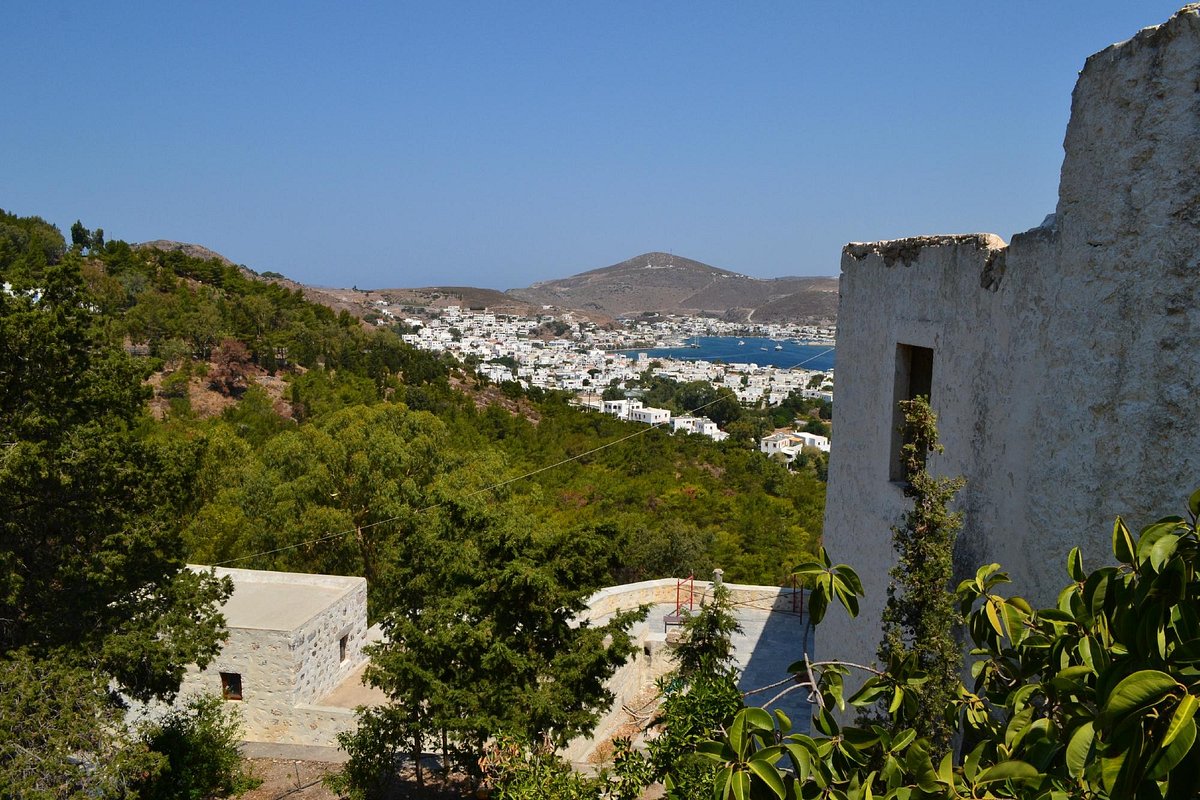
741	342
778	347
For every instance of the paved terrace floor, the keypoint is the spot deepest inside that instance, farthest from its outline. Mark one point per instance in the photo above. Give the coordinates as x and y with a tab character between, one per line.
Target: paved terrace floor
769	642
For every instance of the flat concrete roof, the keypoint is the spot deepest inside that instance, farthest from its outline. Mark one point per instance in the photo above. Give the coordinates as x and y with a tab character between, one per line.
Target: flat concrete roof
280	601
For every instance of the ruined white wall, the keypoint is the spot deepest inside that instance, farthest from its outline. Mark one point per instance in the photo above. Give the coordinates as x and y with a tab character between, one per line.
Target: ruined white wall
1066	364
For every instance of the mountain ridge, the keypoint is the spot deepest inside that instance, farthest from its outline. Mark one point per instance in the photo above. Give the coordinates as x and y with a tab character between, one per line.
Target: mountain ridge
649	283
668	283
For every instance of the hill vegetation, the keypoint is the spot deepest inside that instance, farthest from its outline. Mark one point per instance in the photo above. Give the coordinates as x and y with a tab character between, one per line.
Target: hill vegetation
328	425
335	448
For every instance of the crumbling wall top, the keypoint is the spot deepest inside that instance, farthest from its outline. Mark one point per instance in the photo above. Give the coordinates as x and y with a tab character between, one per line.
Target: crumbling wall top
906	251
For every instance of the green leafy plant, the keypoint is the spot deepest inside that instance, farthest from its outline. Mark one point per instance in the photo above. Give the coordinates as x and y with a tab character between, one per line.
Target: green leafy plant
200	743
1094	697
920	616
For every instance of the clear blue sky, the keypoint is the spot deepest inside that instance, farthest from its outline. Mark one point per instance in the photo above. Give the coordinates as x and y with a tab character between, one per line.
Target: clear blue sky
499	143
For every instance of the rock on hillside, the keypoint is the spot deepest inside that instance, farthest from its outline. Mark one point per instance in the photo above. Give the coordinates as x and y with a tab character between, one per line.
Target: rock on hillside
193	250
667	283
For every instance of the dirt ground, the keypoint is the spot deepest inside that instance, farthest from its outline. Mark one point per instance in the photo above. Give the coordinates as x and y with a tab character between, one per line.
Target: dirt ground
301	780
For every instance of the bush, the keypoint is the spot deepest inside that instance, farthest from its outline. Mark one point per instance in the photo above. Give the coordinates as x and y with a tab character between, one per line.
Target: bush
200	743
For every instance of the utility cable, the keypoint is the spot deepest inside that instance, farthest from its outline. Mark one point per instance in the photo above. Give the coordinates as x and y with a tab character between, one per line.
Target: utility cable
469	495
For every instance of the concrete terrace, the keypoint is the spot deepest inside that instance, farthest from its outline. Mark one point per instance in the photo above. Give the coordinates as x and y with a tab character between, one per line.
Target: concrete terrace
775	633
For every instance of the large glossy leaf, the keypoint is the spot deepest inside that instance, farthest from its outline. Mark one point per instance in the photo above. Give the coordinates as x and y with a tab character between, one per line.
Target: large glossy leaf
740	783
1183	714
1008	770
759	719
1162	550
1079	749
770	776
1110	768
1075	565
1134	693
1123	547
802	758
1170	755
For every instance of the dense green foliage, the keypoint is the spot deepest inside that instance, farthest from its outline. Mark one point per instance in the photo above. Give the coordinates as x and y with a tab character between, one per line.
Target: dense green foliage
482	518
921	614
670	505
62	737
481	639
199	745
1094	697
93	595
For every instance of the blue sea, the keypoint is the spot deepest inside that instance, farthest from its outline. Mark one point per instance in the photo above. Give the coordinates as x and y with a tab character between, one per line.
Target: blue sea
754	351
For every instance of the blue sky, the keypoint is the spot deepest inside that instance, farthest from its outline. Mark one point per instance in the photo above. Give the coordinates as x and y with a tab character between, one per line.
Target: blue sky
495	144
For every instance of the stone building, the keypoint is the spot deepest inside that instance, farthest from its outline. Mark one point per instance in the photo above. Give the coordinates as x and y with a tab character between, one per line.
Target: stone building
294	658
1064	366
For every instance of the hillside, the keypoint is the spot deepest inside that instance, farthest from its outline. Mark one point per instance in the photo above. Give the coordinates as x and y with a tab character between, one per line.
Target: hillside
669	283
651	282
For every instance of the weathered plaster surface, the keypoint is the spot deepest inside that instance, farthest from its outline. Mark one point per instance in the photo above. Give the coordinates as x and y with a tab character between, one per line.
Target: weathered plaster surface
1066	365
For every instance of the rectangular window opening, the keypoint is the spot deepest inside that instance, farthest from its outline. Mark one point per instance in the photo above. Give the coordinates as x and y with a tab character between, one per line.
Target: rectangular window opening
342	648
914	378
231	685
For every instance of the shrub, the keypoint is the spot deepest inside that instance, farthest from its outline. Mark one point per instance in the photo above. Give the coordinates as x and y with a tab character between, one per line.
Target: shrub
200	743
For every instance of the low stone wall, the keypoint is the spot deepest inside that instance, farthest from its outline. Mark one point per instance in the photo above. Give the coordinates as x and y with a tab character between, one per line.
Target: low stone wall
608	601
299	724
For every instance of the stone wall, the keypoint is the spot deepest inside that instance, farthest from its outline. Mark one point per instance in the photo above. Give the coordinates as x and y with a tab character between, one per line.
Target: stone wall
1065	364
608	601
318	643
285	673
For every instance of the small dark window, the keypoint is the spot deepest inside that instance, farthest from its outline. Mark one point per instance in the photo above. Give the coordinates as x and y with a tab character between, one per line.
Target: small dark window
231	685
914	378
342	648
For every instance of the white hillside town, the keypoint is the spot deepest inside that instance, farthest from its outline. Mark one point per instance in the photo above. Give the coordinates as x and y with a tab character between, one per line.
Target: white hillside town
586	358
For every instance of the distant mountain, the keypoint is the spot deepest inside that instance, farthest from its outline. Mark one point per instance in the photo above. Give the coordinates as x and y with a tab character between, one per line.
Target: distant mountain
666	283
652	282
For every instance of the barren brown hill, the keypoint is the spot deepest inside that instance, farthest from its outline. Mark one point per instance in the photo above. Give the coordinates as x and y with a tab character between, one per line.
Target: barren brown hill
652	282
668	283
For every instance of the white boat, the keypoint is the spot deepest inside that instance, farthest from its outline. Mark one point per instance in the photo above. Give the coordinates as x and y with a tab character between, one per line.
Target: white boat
778	347
741	342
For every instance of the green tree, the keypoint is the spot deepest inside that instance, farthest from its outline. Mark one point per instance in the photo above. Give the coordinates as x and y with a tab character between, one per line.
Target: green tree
61	736
921	612
482	637
81	237
91	562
